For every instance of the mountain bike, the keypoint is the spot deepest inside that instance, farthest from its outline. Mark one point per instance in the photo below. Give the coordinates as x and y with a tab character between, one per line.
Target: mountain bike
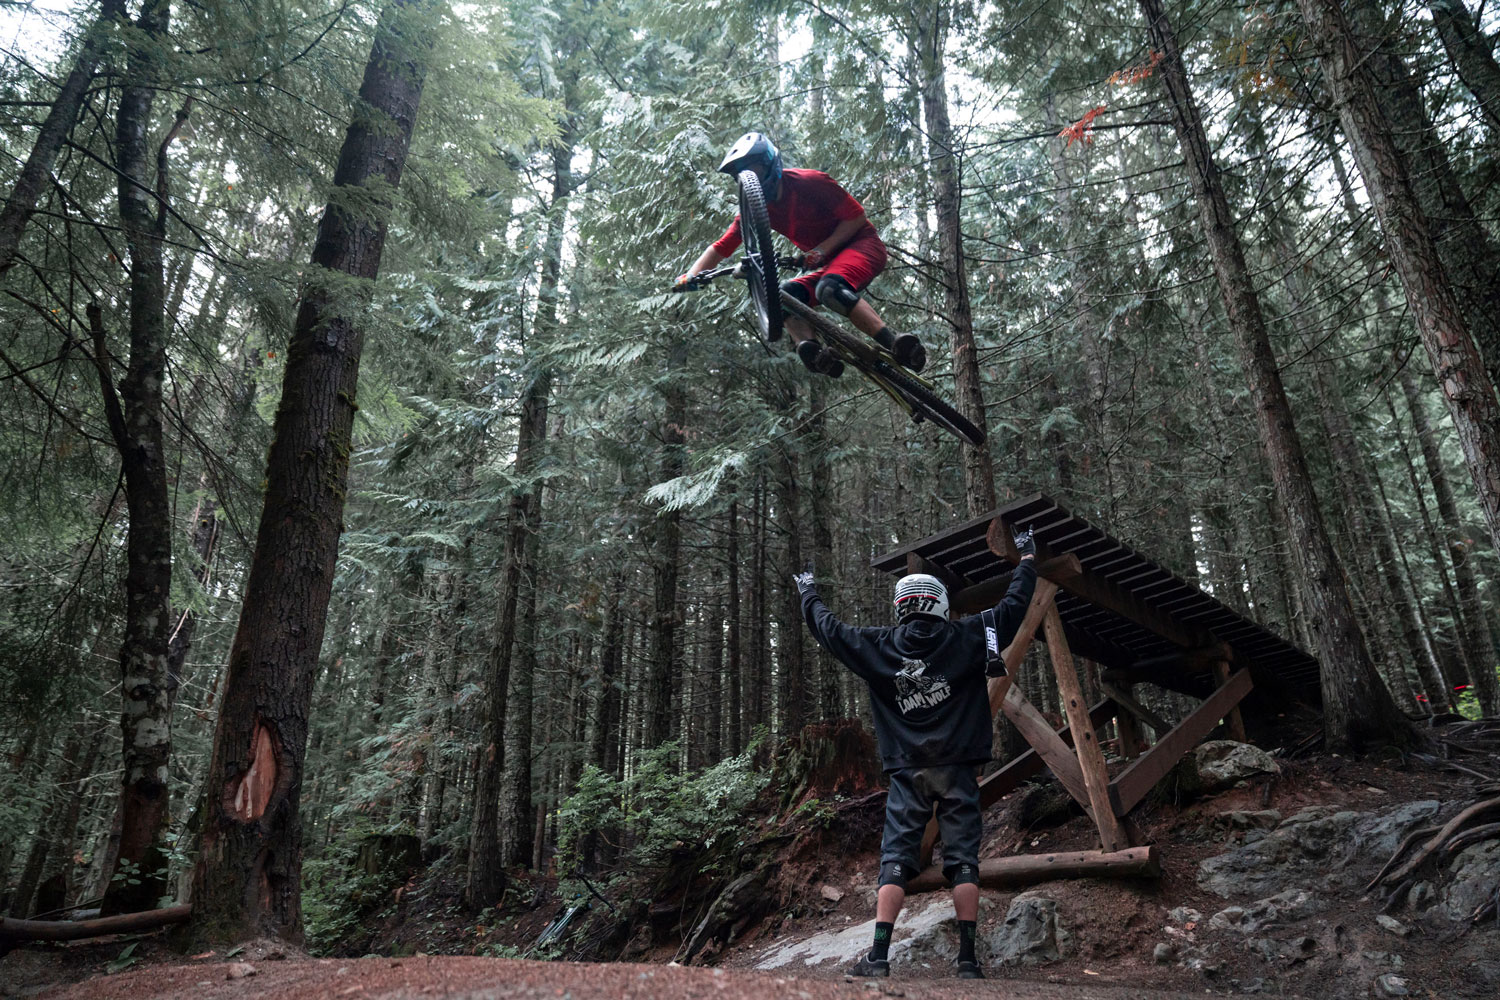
760	268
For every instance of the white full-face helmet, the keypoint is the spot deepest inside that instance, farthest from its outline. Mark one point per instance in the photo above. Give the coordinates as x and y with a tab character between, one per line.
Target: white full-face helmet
921	594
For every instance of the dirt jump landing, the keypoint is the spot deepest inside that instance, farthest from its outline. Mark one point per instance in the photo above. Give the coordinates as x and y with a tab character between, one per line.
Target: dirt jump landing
510	979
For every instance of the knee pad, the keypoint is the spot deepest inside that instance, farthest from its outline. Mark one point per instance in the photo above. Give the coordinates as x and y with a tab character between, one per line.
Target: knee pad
798	291
837	294
962	874
893	873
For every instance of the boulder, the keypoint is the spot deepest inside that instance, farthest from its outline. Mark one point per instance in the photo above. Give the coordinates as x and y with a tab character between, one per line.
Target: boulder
1282	908
1476	873
1030	933
1219	764
1322	847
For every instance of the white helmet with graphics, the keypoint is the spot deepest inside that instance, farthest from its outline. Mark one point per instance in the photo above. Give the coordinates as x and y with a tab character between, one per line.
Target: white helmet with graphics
921	594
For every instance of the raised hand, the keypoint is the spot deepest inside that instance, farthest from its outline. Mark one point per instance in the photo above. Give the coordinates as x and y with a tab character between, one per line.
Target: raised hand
804	579
1026	544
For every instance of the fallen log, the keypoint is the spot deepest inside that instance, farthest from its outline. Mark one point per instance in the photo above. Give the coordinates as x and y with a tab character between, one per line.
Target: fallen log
73	930
1028	869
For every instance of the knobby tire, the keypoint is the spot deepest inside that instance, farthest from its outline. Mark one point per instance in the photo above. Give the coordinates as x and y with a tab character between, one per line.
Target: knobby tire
760	256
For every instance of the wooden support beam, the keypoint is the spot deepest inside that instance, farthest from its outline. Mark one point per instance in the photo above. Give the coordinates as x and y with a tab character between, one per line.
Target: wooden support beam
1236	721
919	564
1139	778
994	787
987	594
1057	755
1085	743
1123	698
1029	869
73	930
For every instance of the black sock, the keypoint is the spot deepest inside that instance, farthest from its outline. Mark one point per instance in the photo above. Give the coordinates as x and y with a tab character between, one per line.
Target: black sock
880	950
966	932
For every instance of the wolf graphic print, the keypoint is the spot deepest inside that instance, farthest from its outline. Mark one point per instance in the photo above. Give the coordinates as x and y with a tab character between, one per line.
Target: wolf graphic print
915	690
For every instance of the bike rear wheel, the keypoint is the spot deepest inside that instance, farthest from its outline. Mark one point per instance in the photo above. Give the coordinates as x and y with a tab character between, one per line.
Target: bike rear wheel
760	256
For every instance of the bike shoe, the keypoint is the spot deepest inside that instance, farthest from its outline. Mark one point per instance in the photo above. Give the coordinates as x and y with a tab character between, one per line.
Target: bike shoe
819	360
909	352
868	966
970	970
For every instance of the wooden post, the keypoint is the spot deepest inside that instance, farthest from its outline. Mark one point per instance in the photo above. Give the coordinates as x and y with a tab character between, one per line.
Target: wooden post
1090	757
1041	600
1028	869
1236	721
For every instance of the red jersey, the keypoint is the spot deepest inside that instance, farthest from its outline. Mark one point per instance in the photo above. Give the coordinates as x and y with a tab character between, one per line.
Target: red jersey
810	207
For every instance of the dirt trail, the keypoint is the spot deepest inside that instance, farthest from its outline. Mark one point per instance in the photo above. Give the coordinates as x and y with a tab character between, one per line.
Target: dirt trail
458	978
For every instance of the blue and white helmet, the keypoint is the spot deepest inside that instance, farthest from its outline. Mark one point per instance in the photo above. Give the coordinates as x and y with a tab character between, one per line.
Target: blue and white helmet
755	149
921	594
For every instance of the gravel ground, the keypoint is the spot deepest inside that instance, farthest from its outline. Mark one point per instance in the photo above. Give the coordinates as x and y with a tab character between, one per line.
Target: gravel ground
504	979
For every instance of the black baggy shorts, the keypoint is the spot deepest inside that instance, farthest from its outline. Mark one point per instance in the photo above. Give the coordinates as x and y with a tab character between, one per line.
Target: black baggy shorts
908	806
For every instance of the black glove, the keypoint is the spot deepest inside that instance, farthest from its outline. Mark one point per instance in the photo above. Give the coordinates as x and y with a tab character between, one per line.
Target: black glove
1025	545
804	579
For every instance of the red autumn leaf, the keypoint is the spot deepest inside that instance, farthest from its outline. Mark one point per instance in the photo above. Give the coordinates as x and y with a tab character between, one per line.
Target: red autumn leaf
1082	129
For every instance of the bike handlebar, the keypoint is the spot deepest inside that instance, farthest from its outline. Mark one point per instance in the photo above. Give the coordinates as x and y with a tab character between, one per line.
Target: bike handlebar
700	281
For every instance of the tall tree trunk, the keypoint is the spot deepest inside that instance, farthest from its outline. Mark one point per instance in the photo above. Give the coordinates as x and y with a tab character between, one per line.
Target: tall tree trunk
1473	55
1475	634
55	128
734	681
1441	318
139	876
793	690
249	874
1356	707
929	32
665	663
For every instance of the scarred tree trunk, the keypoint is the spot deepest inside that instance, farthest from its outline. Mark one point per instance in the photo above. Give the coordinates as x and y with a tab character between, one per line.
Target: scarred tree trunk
1442	316
1356	706
248	877
929	32
1473	55
138	878
54	132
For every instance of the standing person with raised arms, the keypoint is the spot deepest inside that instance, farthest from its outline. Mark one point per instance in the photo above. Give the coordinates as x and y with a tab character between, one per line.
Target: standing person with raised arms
926	677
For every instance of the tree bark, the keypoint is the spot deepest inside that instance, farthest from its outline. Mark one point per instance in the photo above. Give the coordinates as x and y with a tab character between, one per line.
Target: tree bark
1473	55
249	873
665	663
929	31
1356	706
1441	318
138	879
734	679
54	132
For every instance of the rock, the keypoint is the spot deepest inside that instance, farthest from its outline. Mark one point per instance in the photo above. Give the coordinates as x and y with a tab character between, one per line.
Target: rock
1488	971
1391	985
1282	908
1386	958
1321	847
1476	871
1420	895
1185	915
1243	819
1163	953
1029	934
1393	925
1219	764
239	970
831	893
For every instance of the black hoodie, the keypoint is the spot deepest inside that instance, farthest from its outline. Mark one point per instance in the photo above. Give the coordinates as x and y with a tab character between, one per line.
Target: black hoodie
926	677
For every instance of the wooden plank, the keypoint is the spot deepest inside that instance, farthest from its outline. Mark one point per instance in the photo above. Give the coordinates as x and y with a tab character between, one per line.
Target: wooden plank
1236	721
995	786
1029	869
987	594
1125	727
1123	698
1085	742
951	580
1036	611
1139	778
1056	754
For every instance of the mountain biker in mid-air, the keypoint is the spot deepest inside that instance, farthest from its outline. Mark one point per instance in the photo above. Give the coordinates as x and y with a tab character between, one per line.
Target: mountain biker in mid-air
843	251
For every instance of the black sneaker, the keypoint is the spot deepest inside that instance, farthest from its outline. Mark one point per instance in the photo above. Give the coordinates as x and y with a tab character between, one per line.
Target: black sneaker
909	352
970	970
868	966
819	360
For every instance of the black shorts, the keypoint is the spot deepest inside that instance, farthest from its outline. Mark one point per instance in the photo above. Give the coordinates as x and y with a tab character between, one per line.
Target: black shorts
908	807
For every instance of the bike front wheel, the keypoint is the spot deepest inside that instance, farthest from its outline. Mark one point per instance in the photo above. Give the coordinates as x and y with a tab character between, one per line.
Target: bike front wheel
760	257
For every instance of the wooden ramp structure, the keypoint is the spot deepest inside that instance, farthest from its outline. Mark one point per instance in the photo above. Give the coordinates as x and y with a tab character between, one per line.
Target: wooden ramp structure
1099	598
